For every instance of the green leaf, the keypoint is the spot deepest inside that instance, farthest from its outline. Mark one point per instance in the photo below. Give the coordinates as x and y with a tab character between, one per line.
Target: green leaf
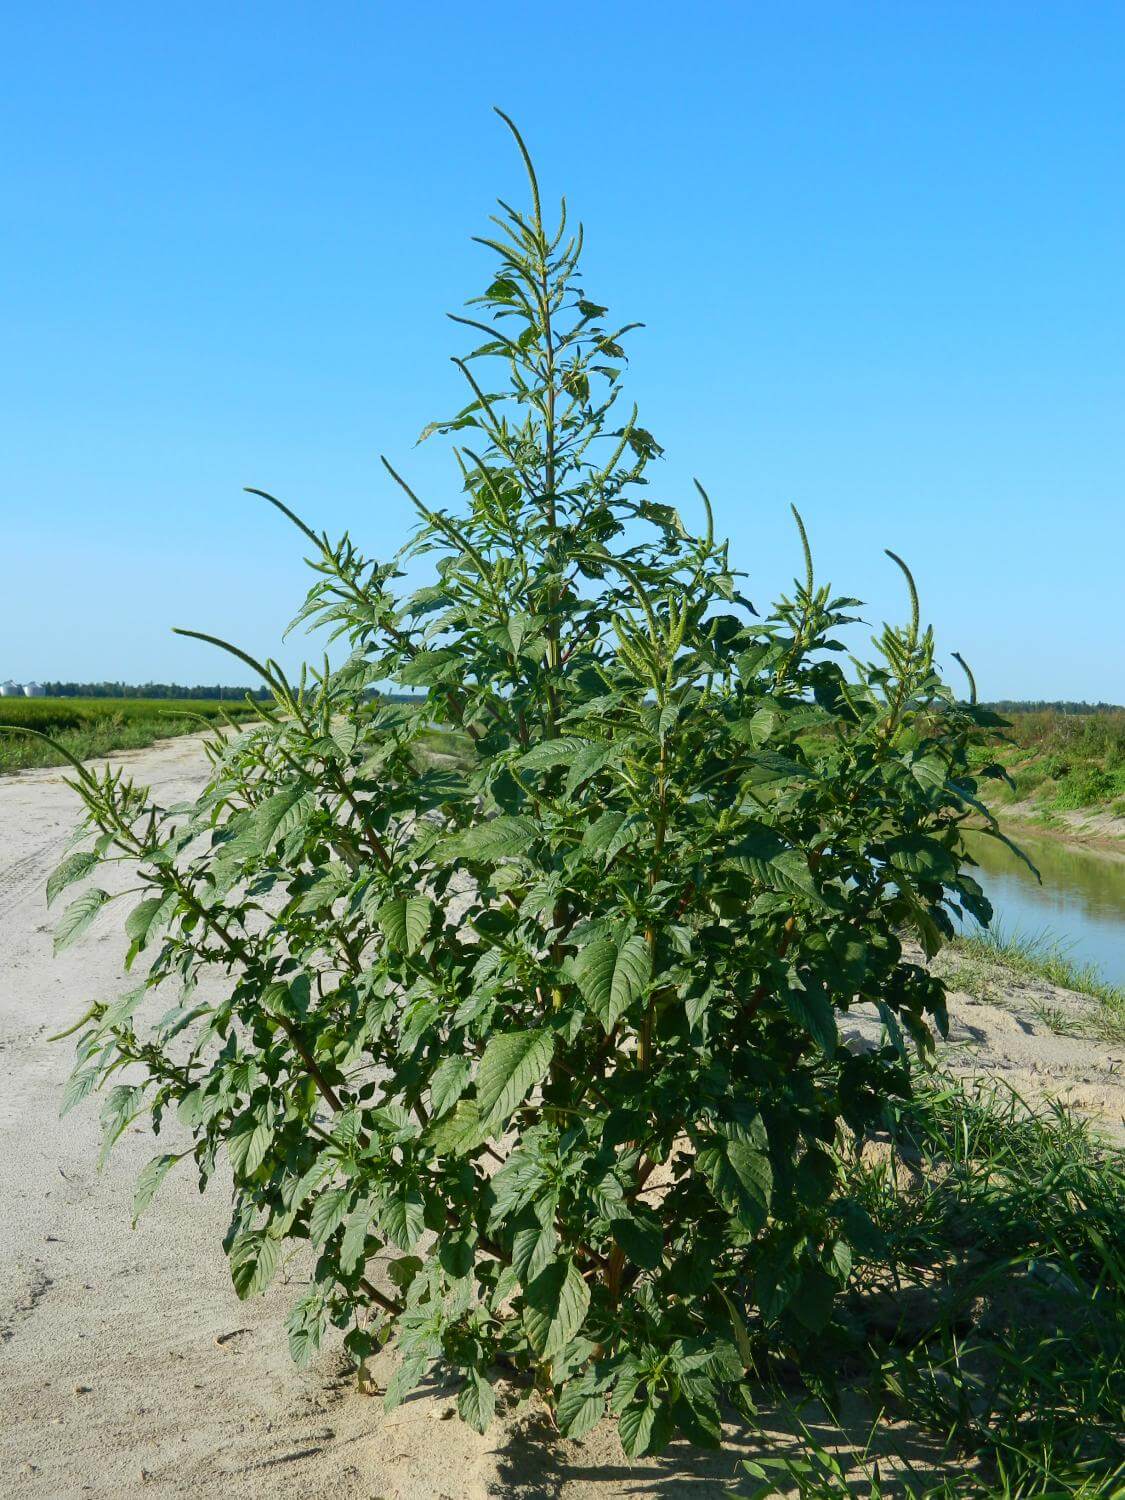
149	1180
533	1244
139	920
458	1132
403	1381
402	1216
768	765
580	1407
591	760
602	831
354	1238
248	1143
641	1237
73	868
254	1259
555	1305
271	821
548	754
921	857
305	1326
741	1178
512	1064
499	838
405	920
644	1427
122	1106
611	977
448	1083
810	1007
455	1252
80	1083
327	1214
78	916
476	1402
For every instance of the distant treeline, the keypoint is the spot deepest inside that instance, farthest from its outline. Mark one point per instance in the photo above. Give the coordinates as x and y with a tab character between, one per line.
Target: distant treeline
148	690
1039	706
176	690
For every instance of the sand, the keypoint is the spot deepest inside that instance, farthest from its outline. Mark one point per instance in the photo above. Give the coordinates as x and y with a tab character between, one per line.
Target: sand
127	1364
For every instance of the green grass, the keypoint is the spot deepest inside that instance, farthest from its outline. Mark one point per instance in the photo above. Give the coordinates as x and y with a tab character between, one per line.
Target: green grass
1061	762
984	1333
93	727
975	962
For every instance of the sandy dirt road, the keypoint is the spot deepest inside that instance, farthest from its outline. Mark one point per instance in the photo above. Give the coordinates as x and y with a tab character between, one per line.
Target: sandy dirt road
127	1364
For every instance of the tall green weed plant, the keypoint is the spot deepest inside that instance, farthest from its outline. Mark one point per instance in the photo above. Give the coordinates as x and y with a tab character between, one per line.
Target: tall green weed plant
535	1042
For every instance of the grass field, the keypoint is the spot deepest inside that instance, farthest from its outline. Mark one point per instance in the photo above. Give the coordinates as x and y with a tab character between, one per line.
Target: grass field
91	727
1062	762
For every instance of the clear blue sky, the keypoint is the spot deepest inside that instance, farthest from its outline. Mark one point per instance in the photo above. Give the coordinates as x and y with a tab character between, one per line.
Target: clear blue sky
879	249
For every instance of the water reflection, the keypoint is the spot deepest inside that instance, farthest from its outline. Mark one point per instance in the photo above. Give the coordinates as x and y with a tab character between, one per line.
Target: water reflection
1081	902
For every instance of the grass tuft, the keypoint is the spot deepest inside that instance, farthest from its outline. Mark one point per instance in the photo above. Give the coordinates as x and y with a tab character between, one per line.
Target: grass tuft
974	962
997	1254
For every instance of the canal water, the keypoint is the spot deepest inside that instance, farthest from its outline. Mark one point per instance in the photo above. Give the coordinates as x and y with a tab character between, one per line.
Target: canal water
1080	906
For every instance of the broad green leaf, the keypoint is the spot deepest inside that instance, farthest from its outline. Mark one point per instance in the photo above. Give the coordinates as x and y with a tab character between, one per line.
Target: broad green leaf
271	821
456	1255
149	1180
548	754
401	1216
403	1381
476	1402
533	1244
139	920
741	1179
810	1007
119	1110
354	1238
73	868
499	838
80	1083
448	1083
580	1407
305	1326
555	1305
591	760
405	921
458	1132
327	1214
254	1259
512	1064
921	857
929	771
248	1143
611	976
641	1237
603	830
644	1427
78	916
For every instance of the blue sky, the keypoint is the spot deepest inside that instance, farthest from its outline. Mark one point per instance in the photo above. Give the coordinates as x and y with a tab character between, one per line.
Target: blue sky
878	250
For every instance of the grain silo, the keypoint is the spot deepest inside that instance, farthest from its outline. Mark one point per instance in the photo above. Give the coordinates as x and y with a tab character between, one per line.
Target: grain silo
33	690
10	690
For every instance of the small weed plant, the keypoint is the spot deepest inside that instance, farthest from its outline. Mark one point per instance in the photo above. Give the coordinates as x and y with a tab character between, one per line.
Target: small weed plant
531	985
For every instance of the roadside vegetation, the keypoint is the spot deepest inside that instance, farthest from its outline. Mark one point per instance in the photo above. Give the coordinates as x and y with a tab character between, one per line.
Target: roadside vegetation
977	1348
87	728
983	963
1061	761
